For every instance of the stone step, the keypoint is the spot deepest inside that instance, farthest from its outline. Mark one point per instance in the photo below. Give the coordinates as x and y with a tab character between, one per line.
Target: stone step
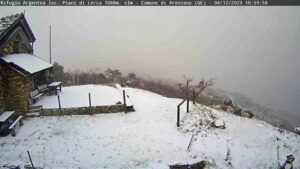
33	114
35	110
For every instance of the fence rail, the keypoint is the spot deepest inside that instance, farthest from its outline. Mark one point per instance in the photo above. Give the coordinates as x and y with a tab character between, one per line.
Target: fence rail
187	99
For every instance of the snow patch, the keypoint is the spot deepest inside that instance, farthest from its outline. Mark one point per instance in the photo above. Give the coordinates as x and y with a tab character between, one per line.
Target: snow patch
78	96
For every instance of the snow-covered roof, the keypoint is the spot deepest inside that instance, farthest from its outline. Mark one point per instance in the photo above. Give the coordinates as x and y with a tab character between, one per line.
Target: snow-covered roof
30	63
7	21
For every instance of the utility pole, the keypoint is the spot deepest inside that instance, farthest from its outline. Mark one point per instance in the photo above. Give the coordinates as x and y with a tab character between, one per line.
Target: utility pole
50	45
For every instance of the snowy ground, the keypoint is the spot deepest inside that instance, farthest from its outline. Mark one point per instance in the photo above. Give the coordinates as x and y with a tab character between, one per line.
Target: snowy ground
78	96
149	138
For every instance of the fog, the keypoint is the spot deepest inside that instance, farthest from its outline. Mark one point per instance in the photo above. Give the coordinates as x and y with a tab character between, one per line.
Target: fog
252	50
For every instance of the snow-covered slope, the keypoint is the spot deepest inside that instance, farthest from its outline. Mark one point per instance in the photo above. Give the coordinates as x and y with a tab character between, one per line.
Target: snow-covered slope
149	138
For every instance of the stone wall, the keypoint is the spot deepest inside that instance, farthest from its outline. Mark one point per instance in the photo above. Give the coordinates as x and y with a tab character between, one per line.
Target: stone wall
10	49
2	104
16	90
83	110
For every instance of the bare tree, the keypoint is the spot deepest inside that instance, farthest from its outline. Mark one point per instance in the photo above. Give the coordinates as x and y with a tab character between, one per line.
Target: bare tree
201	86
186	88
195	90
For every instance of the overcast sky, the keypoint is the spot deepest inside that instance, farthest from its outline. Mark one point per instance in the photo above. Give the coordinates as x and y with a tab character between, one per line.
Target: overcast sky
253	50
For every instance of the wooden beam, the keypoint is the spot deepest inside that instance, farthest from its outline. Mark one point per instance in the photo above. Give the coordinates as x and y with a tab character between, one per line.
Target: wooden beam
30	159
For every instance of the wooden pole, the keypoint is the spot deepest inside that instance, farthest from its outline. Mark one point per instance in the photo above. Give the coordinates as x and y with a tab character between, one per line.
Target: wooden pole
178	115
90	103
59	104
190	143
30	159
187	88
194	97
124	100
187	104
187	96
178	111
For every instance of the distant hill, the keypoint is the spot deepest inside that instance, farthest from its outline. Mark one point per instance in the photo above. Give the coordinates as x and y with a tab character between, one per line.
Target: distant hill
278	118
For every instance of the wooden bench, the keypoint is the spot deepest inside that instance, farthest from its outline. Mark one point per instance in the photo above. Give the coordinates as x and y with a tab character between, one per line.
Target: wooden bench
12	126
43	88
35	95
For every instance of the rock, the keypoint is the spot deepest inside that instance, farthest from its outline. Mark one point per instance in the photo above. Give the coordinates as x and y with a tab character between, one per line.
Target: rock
179	166
288	164
250	113
219	124
228	103
198	165
280	130
297	130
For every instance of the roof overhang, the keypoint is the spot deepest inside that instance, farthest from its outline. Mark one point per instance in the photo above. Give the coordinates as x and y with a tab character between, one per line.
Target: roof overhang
25	64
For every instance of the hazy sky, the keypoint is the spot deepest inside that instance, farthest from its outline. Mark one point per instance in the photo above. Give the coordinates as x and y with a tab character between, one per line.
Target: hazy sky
253	50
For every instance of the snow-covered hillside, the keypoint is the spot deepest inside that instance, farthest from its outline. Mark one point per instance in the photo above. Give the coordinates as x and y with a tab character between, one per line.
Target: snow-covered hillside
149	138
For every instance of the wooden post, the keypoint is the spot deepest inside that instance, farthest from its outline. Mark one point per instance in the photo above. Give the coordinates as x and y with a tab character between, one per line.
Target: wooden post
30	159
190	143
187	104
194	97
187	88
59	105
124	100
178	115
178	111
187	96
90	103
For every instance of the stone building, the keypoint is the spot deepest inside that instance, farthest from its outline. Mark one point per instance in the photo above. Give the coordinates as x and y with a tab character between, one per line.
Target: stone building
20	71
